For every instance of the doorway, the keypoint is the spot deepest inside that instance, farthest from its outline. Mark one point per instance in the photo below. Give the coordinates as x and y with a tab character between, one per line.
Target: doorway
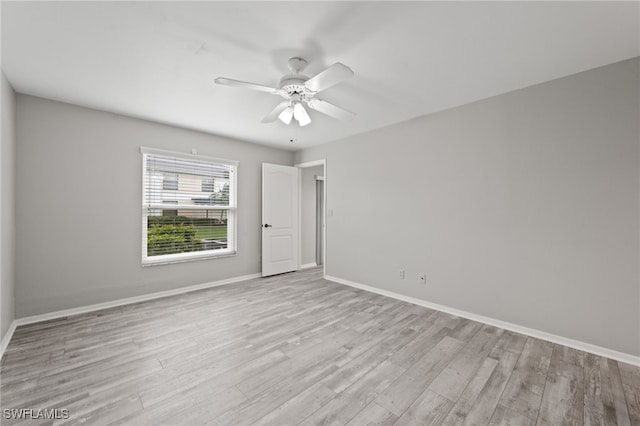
320	220
312	234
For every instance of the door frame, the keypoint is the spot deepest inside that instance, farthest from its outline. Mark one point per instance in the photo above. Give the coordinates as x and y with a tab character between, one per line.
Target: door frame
323	163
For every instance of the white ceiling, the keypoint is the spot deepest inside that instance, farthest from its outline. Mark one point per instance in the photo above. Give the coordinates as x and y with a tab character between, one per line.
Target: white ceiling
157	60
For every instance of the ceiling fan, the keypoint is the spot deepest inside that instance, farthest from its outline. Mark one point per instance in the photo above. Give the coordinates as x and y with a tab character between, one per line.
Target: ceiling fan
297	89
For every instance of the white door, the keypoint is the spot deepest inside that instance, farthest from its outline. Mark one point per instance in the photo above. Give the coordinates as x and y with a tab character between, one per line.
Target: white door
279	219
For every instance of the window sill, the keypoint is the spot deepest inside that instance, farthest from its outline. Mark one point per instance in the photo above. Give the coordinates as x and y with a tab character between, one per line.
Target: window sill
181	258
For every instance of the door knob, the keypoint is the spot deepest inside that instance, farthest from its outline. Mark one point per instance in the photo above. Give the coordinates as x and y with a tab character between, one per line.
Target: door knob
266	225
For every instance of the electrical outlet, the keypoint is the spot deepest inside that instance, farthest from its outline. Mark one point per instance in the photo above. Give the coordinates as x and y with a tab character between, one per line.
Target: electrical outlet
401	274
422	278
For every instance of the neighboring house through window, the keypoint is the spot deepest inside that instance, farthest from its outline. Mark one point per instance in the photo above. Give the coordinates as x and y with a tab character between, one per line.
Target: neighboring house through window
167	212
189	207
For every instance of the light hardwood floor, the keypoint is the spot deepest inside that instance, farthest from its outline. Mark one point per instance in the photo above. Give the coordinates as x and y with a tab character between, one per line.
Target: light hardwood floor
296	349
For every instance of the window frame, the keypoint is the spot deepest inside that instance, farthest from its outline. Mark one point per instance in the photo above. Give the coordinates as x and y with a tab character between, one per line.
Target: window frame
232	211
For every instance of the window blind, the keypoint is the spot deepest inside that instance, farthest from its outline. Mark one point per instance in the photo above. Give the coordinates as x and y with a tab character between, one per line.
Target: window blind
189	207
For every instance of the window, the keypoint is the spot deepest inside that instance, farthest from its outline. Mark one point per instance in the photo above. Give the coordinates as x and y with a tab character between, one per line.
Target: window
208	184
190	221
170	181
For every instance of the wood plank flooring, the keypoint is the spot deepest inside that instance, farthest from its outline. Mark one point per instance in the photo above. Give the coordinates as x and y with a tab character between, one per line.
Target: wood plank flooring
298	350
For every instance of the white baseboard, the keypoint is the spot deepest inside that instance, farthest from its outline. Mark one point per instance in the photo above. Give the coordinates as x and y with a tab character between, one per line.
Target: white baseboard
575	344
308	266
7	337
129	300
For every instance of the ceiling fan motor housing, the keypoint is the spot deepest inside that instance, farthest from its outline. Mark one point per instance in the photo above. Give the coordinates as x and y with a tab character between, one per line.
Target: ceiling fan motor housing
294	83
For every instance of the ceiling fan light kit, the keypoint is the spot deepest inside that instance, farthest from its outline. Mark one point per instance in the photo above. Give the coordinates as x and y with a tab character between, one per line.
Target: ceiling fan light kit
298	89
286	115
300	114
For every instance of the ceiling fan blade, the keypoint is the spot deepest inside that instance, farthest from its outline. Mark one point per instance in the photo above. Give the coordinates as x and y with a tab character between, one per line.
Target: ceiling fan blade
246	85
273	115
333	75
330	109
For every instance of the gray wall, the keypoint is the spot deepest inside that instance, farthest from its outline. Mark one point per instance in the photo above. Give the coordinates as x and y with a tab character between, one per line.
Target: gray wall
7	207
308	212
79	206
522	207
